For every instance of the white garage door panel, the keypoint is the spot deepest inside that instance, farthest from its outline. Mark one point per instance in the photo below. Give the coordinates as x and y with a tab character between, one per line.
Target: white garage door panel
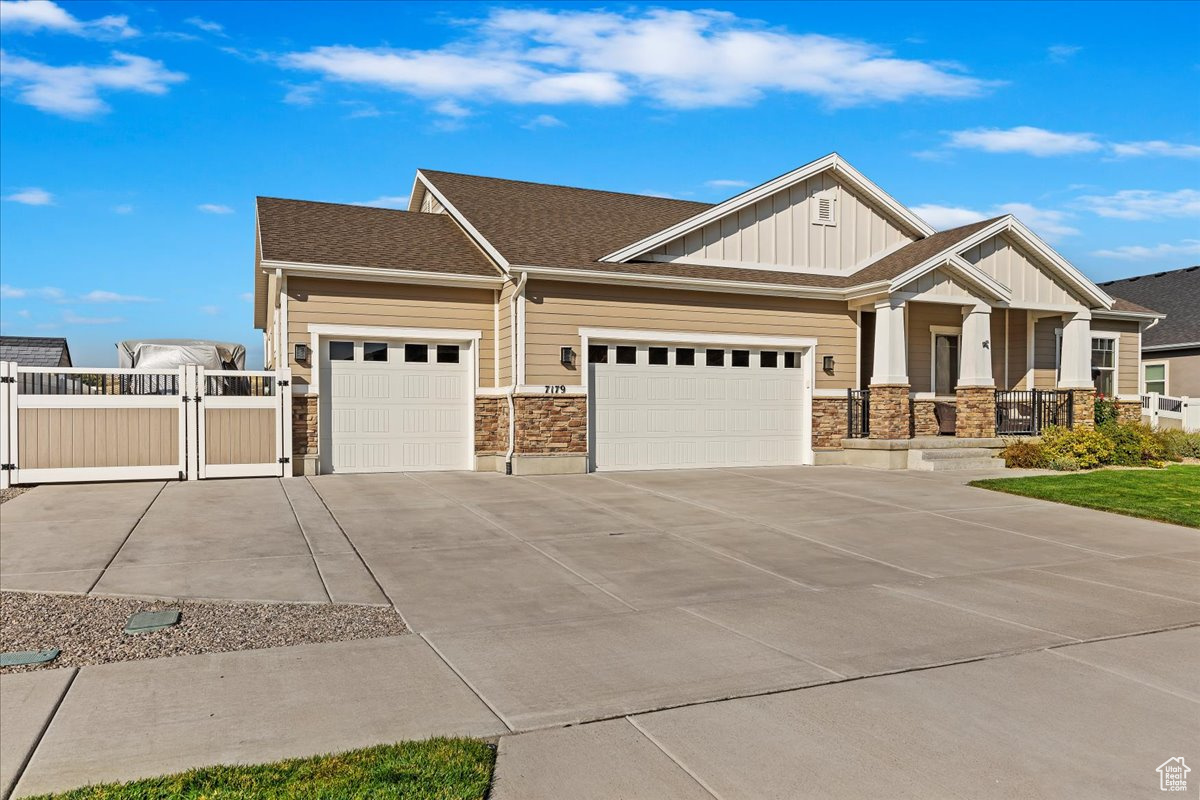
395	416
678	416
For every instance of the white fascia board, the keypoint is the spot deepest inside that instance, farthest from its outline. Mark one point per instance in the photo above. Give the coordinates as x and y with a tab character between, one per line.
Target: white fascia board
344	272
691	337
475	235
1113	313
1154	348
1010	224
389	332
832	161
670	282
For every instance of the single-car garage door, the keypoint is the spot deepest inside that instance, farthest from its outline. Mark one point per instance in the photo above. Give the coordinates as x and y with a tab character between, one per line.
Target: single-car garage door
394	406
673	406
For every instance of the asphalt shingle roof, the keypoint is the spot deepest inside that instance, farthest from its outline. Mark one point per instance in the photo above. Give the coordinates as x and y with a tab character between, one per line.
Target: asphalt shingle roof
304	232
1175	293
35	351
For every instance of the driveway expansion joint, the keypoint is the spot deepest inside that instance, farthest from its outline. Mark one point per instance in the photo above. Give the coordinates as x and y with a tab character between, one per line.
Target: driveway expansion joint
129	535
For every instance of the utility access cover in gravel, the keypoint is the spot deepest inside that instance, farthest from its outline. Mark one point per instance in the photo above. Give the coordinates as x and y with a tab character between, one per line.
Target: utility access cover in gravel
150	621
91	630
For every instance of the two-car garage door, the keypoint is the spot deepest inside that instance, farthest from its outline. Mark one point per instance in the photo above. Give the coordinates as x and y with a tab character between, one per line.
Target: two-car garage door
668	406
395	406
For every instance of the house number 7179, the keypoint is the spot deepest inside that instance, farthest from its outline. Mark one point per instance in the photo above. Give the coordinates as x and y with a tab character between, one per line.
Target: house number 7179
556	390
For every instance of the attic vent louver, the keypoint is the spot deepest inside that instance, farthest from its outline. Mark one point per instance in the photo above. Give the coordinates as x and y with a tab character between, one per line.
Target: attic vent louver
824	209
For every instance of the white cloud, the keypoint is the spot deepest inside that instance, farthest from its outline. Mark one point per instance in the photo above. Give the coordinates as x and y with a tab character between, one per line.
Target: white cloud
451	108
42	293
71	318
1188	247
247	296
1137	204
544	121
124	208
214	208
386	201
1156	147
212	311
1059	53
32	196
677	58
24	313
102	296
75	91
726	183
301	94
31	16
208	26
1024	139
1051	225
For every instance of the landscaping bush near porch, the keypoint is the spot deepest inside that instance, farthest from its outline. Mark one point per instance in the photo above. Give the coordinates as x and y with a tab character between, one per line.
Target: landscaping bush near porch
435	769
1114	443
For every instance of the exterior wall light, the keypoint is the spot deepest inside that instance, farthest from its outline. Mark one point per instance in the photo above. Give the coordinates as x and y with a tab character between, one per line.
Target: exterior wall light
827	363
301	352
566	356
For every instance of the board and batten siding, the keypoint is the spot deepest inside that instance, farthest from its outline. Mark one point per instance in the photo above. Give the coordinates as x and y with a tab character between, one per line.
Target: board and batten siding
318	301
1011	265
555	311
65	438
779	232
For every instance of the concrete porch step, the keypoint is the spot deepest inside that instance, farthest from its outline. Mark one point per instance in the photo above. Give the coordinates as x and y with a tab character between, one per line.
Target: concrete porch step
940	460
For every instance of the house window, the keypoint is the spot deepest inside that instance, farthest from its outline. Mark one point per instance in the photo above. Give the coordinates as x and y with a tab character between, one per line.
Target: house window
945	362
341	351
1104	365
375	351
1154	378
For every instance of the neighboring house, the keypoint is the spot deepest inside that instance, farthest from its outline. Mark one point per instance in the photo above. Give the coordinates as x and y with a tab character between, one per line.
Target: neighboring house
35	351
1171	347
499	324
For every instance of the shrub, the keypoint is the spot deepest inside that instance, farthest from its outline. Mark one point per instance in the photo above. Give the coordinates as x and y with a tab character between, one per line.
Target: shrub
1133	444
1091	448
1106	410
1023	454
1177	445
1063	464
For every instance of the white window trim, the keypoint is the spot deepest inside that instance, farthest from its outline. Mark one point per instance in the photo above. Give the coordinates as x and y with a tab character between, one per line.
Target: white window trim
934	332
1166	381
1113	336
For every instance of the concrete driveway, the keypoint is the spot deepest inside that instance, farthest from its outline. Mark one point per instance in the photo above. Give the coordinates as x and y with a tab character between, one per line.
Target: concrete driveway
576	599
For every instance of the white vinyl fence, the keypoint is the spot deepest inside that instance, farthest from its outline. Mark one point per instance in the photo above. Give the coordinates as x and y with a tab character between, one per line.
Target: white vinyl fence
61	425
1164	411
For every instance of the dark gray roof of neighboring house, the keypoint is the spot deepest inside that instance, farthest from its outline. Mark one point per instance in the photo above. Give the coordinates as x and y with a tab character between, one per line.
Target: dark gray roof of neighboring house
1175	293
305	232
35	351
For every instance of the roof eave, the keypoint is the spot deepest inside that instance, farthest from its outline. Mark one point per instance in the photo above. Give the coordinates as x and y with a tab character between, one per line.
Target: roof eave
350	272
674	282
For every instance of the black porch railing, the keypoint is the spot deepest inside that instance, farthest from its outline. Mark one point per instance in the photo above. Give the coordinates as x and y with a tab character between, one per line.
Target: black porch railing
858	413
1026	413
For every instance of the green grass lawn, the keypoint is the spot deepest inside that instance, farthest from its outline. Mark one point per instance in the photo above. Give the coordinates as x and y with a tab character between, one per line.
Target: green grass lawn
1168	495
436	769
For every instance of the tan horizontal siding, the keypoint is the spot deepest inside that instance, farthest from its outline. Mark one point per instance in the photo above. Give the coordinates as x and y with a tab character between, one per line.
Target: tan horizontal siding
1018	348
504	348
327	302
97	437
1045	374
555	312
920	351
240	435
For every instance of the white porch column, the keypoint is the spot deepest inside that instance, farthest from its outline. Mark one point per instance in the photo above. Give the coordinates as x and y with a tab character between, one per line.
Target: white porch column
891	344
1075	364
975	354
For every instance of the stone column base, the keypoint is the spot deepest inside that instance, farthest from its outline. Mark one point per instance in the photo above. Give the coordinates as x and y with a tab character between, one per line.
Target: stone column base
829	424
924	420
304	434
975	412
1129	411
1084	411
890	414
552	424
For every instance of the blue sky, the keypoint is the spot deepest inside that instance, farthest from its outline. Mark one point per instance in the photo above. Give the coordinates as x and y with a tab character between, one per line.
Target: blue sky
135	136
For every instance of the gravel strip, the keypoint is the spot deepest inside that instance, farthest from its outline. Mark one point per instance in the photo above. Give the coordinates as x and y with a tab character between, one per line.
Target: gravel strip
89	630
13	491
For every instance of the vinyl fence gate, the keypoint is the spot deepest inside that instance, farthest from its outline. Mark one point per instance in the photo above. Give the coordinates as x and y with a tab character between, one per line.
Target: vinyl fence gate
61	424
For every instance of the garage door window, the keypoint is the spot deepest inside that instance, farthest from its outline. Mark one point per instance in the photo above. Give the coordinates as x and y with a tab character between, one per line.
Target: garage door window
768	359
416	353
658	356
626	354
375	351
739	358
341	351
791	360
598	353
685	357
447	354
714	358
